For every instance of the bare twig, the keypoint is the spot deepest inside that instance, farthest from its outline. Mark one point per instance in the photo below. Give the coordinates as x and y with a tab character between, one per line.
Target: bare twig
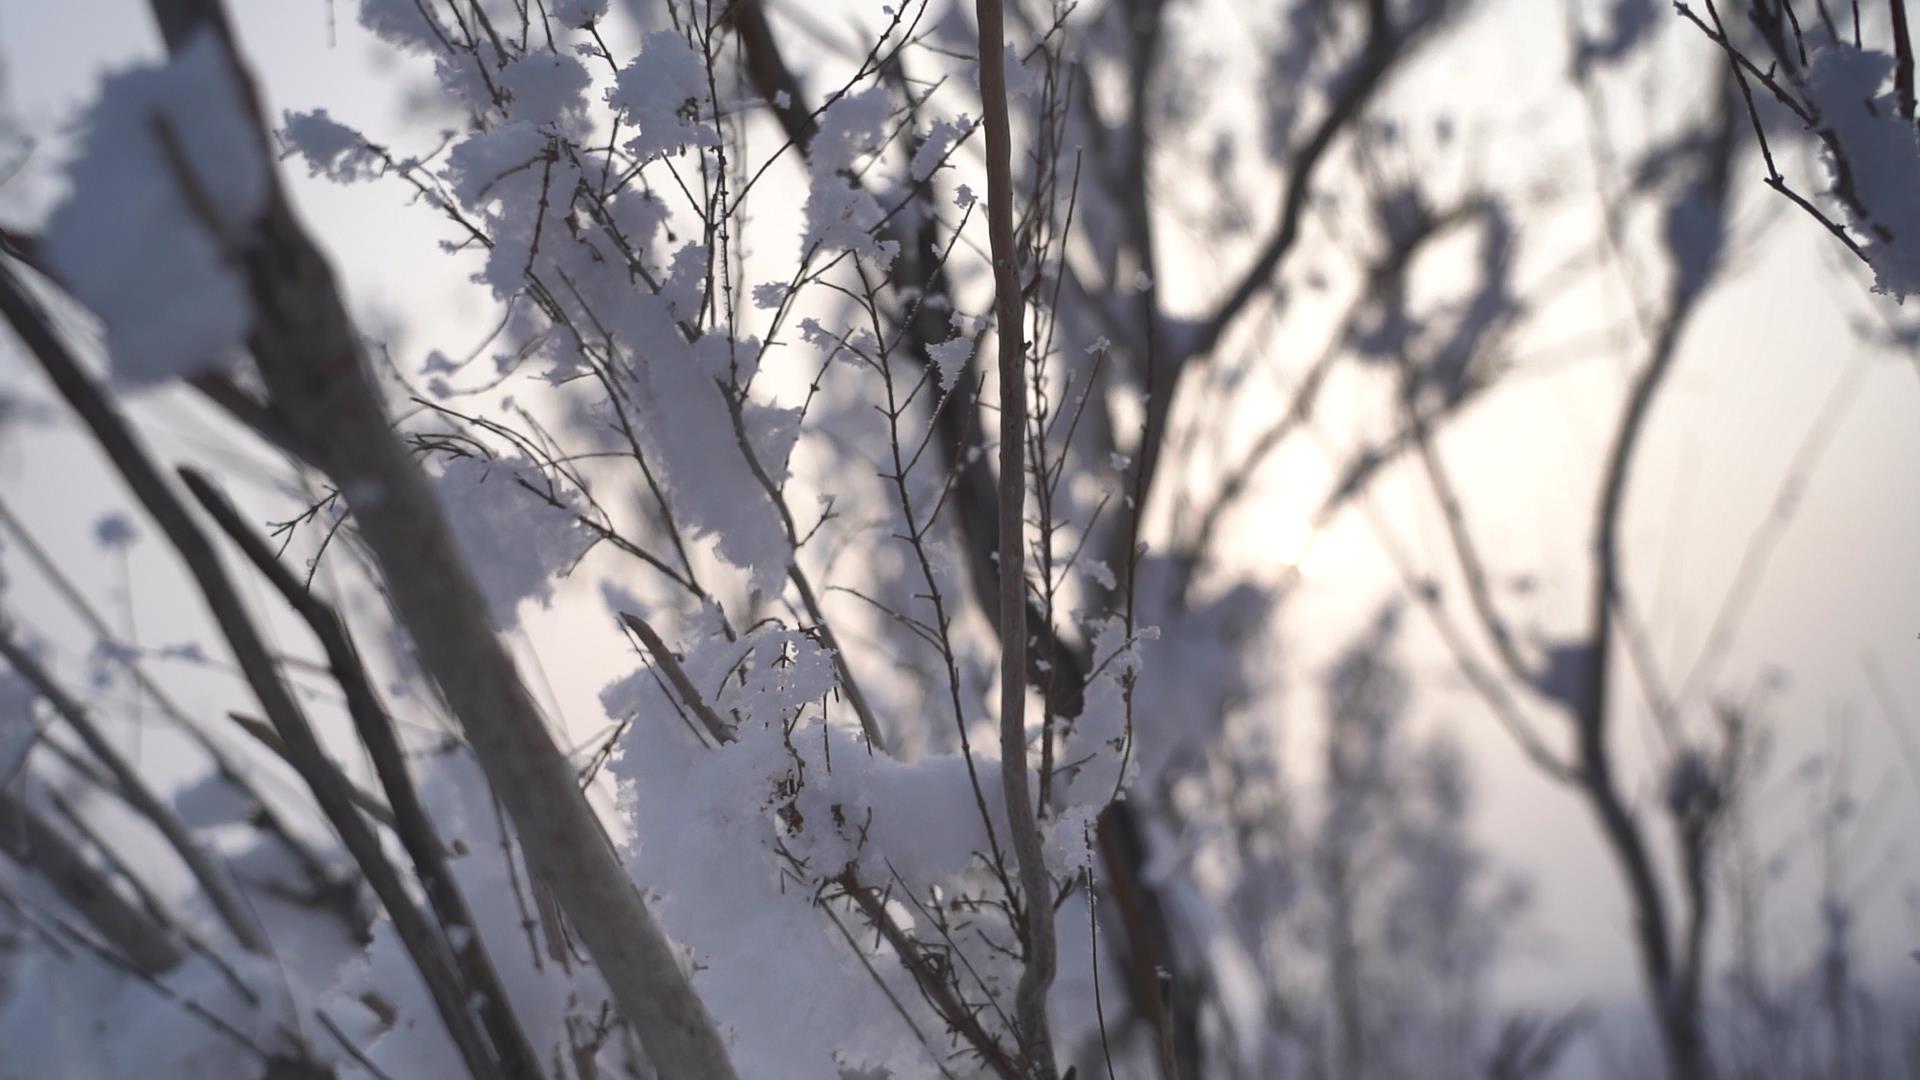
663	657
256	660
222	890
411	821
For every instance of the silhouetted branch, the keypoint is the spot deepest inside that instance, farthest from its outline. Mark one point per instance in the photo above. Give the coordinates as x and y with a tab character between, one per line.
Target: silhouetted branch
323	778
411	821
221	888
33	842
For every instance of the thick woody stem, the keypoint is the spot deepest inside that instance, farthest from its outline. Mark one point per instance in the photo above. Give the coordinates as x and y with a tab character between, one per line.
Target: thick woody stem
314	368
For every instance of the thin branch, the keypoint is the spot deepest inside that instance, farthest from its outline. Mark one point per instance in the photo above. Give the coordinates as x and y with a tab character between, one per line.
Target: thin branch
1030	999
1902	58
1377	56
412	823
938	989
263	733
690	695
223	892
319	874
323	778
35	843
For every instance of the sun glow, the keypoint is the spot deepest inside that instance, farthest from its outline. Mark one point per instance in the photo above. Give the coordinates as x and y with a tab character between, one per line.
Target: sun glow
1292	542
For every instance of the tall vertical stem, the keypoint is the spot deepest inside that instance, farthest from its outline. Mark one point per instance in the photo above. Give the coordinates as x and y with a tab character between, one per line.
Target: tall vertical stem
1030	1000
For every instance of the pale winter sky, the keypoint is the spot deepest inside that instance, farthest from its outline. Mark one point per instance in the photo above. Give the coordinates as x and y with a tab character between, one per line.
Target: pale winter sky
1843	582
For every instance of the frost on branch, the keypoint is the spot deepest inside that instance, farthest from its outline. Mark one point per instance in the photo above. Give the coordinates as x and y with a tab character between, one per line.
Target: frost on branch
170	178
690	429
505	175
516	179
746	843
708	824
951	357
1872	158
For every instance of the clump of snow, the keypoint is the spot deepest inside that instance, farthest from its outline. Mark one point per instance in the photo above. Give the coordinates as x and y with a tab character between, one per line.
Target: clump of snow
516	182
579	13
742	842
1878	159
114	531
951	357
546	87
1024	81
660	93
479	164
690	429
403	23
331	149
514	539
739	840
840	215
170	179
1069	840
933	149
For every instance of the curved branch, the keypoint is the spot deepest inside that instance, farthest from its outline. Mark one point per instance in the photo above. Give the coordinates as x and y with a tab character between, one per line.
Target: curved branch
1030	999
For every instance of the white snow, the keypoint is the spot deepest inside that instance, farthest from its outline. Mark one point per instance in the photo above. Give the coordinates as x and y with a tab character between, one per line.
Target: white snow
170	178
546	87
841	215
933	149
514	540
660	93
578	13
330	148
951	357
1881	156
